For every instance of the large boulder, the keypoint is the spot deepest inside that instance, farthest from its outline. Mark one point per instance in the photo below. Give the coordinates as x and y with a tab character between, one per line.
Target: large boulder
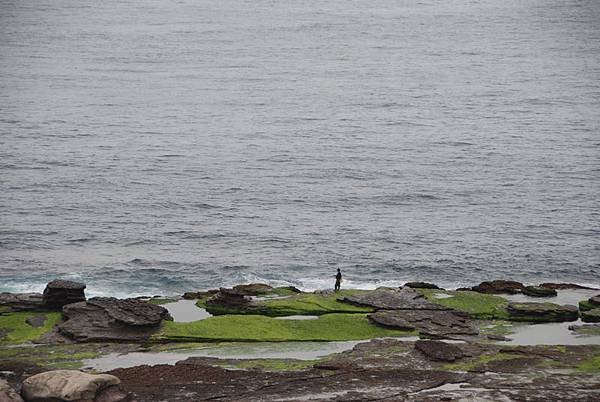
538	291
439	351
65	385
499	286
542	312
594	301
432	323
22	301
393	299
7	393
59	293
421	285
111	319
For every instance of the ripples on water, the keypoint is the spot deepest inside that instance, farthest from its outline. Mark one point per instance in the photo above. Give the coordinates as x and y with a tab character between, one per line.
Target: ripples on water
158	146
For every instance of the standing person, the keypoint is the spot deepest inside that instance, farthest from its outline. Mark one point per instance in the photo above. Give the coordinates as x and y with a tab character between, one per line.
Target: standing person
338	280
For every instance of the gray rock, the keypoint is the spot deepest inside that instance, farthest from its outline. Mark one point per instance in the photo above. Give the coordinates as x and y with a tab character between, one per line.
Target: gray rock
432	323
537	291
110	319
542	312
227	300
113	394
22	301
439	351
65	385
7	393
37	321
393	299
59	293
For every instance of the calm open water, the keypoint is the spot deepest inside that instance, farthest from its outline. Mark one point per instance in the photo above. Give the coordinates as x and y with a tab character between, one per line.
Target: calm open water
158	146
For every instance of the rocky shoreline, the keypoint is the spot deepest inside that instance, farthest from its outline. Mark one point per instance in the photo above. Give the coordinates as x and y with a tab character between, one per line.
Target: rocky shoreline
417	342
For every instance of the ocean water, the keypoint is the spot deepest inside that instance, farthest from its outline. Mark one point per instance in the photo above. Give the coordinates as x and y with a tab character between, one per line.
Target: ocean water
154	147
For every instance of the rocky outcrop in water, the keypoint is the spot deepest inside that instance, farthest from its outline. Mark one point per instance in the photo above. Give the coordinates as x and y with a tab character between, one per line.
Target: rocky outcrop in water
421	285
499	286
253	289
542	312
69	385
592	315
538	291
430	323
110	319
59	293
393	299
563	286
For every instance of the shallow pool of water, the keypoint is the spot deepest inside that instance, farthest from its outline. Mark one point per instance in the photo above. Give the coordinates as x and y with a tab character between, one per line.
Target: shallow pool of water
550	334
186	311
570	296
275	350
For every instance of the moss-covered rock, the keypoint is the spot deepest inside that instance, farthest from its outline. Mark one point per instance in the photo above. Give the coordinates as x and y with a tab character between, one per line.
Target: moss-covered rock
592	315
542	312
16	329
478	305
288	303
330	327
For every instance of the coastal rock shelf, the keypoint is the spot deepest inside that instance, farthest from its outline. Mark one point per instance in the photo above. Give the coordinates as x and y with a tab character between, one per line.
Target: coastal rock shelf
418	342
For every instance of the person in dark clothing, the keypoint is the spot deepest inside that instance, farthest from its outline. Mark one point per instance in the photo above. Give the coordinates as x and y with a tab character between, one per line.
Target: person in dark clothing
338	280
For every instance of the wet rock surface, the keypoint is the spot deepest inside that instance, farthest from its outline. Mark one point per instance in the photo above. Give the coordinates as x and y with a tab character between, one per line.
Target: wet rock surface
591	315
433	323
393	299
563	286
387	370
59	293
542	312
537	291
253	289
439	351
104	319
421	285
499	286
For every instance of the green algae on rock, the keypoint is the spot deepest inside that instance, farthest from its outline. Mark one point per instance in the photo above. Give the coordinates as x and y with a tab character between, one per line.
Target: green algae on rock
17	330
477	305
289	303
329	327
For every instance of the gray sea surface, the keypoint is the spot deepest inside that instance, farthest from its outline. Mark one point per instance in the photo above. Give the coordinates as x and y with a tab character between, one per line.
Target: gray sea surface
152	147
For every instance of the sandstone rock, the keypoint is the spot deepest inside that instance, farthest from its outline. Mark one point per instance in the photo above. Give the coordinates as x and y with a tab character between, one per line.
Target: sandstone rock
7	393
421	285
65	385
228	299
542	312
499	286
439	351
110	319
433	323
22	301
199	295
59	293
538	291
393	299
591	315
37	321
253	289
